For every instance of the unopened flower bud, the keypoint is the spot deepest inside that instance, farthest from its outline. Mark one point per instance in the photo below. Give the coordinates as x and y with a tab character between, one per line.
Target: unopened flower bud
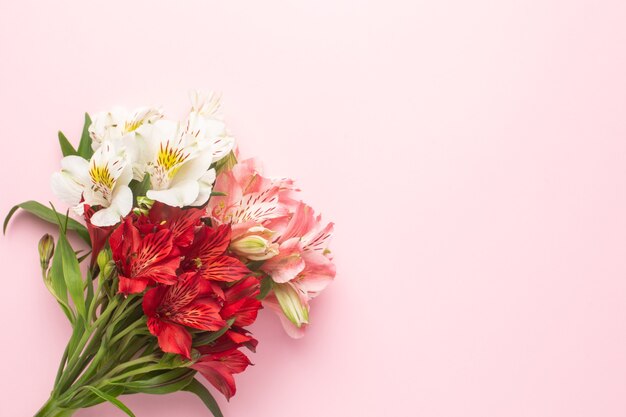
109	269
46	250
254	247
103	258
293	302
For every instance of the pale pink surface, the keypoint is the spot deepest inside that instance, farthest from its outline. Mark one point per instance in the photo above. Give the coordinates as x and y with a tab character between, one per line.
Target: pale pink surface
472	155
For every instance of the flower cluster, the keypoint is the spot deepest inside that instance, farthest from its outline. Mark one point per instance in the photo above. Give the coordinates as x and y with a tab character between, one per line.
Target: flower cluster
187	245
279	236
174	157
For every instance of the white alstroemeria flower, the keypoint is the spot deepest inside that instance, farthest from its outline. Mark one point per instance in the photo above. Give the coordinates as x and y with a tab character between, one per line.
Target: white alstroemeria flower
102	181
178	162
204	118
120	123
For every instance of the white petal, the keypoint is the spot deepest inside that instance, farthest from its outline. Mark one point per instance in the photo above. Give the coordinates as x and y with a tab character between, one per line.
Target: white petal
65	188
121	205
180	195
222	147
193	169
206	186
77	168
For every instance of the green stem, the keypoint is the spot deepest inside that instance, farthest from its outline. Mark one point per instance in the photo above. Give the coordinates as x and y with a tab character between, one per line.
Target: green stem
52	409
127	330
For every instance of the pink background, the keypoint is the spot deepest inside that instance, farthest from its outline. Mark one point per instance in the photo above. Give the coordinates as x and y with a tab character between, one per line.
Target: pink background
472	154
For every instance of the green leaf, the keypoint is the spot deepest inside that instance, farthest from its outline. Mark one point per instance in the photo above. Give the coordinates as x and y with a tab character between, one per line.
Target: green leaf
218	194
200	390
93	399
226	163
84	147
49	215
71	273
207	337
57	284
66	147
163	383
110	399
266	286
140	188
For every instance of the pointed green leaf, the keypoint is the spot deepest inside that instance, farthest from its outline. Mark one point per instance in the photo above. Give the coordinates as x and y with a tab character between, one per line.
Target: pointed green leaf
110	399
200	390
71	273
163	383
84	147
57	284
66	147
48	215
140	188
266	286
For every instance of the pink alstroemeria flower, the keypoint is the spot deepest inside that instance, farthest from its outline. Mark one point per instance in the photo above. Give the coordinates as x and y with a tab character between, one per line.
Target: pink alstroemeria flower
268	224
301	270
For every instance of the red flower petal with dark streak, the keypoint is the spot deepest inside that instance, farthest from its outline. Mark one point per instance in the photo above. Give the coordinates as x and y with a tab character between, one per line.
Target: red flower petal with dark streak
151	258
172	308
218	369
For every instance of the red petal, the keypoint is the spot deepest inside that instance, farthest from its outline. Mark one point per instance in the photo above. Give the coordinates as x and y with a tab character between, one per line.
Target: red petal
131	285
202	315
218	375
98	235
248	287
181	222
209	243
172	338
225	268
152	300
244	311
153	248
180	294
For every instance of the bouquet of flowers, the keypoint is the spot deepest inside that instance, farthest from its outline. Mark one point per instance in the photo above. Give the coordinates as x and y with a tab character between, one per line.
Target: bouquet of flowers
184	245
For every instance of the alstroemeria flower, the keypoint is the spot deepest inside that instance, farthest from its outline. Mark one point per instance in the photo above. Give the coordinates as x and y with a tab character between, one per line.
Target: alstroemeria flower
143	259
178	163
218	368
120	123
240	302
102	181
171	309
181	222
301	270
204	119
207	256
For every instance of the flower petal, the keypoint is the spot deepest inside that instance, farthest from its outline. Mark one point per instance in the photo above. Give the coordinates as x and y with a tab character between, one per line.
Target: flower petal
172	337
287	264
121	204
180	195
206	186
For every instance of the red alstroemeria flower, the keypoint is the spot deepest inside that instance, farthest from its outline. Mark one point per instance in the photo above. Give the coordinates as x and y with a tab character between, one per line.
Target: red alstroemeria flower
97	234
240	302
188	303
142	260
206	255
181	222
218	368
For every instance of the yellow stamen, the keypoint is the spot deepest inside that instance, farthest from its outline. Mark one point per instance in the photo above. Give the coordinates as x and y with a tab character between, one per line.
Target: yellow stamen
101	175
170	159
